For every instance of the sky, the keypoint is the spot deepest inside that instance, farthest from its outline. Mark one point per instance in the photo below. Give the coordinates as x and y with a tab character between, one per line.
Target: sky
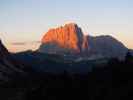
24	22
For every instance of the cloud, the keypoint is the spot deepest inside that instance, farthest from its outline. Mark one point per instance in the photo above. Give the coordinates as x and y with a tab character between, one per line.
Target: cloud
26	43
35	42
19	43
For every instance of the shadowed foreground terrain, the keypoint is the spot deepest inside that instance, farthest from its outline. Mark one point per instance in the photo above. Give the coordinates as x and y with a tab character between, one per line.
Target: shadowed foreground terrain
111	82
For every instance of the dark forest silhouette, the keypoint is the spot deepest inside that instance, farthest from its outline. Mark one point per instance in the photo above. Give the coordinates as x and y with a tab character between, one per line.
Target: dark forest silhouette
111	82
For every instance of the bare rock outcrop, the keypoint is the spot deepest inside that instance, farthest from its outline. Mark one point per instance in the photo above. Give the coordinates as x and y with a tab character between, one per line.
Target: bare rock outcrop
65	39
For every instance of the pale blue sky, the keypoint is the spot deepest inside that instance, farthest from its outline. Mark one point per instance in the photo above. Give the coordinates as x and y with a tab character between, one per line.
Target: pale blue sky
27	20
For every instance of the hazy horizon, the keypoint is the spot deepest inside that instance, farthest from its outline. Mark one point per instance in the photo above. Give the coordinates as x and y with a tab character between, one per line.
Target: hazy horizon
24	22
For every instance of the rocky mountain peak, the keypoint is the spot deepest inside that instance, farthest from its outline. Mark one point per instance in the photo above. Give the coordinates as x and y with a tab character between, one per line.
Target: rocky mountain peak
68	37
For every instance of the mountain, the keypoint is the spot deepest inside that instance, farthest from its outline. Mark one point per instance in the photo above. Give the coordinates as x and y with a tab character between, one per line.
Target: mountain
107	46
9	67
70	40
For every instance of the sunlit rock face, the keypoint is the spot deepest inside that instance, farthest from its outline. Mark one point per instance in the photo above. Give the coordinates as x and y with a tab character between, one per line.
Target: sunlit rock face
65	39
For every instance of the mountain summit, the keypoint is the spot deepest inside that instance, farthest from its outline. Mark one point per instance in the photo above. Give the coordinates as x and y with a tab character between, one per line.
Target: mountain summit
65	39
69	39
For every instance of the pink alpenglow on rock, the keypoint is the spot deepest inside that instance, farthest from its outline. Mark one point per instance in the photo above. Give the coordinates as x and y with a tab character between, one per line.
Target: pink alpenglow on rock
67	38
